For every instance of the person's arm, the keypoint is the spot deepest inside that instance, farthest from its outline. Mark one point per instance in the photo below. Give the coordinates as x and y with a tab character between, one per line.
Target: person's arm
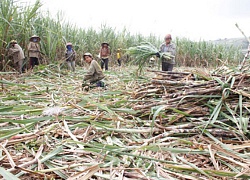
29	46
100	53
158	53
38	48
13	51
172	50
109	51
66	54
74	55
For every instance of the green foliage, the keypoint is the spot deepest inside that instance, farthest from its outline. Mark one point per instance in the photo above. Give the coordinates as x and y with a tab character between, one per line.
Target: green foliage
19	21
205	54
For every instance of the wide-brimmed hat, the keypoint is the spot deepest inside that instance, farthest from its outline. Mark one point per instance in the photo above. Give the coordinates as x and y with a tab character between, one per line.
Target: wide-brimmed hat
105	43
87	54
13	42
69	44
35	36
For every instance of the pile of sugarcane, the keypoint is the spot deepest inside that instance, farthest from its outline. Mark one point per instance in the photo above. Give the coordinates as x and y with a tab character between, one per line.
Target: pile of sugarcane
181	96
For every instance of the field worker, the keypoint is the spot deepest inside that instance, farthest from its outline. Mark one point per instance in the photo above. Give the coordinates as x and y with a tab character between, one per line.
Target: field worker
94	74
34	50
104	55
168	46
70	56
118	56
18	56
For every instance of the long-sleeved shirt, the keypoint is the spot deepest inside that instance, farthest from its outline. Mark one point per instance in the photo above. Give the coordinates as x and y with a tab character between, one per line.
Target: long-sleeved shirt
34	49
70	55
171	48
16	52
94	72
104	52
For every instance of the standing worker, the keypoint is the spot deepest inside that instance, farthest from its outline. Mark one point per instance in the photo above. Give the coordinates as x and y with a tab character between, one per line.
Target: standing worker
104	55
34	50
70	56
118	56
18	56
168	46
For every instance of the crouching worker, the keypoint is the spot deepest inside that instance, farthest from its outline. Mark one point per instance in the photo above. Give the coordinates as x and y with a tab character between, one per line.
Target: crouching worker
94	74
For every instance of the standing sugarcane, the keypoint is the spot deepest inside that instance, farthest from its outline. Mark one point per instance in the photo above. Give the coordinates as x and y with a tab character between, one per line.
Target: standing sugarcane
248	50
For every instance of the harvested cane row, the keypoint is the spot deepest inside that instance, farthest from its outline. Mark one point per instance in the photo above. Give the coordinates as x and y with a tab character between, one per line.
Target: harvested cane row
186	96
190	94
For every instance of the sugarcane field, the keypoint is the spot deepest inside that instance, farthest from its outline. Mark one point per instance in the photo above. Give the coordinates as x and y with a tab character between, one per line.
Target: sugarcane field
181	114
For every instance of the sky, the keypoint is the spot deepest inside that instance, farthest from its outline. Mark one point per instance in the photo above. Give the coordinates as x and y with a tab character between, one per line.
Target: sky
192	19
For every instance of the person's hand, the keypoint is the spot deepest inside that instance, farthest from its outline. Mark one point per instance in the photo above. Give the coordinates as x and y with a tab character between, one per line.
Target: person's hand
84	83
157	54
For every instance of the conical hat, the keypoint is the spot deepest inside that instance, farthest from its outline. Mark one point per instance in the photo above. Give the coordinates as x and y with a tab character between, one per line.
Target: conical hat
35	36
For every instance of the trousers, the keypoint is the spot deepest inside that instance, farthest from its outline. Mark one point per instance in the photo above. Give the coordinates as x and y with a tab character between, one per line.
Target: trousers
105	62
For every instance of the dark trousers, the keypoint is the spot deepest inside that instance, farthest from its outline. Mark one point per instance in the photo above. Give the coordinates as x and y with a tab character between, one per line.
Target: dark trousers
119	62
106	63
33	61
167	66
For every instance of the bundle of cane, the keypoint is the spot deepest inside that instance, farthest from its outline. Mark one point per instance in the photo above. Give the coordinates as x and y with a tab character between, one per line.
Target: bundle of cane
144	51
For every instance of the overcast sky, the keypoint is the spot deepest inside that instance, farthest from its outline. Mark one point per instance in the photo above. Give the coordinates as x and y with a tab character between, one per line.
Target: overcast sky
194	19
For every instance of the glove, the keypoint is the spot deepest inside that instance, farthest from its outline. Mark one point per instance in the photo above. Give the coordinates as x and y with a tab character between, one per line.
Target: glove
157	54
84	83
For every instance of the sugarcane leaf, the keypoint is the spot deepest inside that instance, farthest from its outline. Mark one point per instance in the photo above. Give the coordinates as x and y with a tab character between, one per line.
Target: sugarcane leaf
4	109
193	166
28	111
26	121
58	172
7	174
214	115
11	132
125	110
12	84
52	153
155	114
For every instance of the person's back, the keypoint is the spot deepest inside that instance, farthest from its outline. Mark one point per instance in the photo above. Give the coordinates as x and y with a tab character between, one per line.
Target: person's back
18	55
17	52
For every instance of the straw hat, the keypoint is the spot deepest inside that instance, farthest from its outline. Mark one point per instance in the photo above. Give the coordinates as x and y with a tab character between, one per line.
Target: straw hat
87	54
13	42
35	36
69	44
